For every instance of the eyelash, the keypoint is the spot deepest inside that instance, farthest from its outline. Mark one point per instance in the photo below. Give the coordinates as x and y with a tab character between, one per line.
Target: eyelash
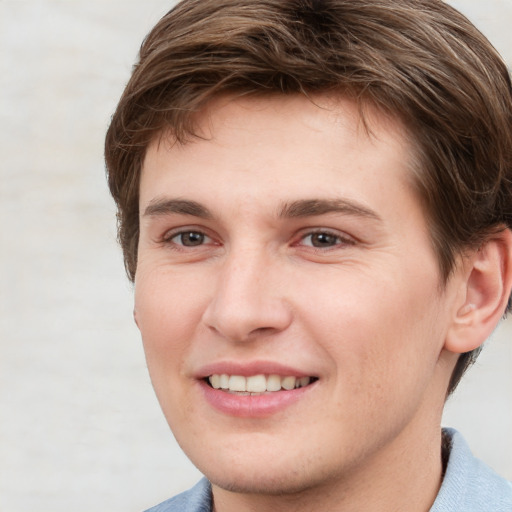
339	240
169	237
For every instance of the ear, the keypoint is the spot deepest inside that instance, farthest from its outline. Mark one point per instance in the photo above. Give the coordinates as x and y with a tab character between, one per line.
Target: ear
135	318
486	286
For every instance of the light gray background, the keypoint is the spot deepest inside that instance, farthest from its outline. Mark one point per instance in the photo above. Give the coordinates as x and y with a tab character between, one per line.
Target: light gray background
80	428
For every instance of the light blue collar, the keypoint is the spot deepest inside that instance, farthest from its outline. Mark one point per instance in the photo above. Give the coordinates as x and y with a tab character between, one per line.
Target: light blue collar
469	485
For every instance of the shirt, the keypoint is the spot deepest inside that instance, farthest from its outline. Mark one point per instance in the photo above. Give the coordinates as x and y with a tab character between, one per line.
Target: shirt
468	486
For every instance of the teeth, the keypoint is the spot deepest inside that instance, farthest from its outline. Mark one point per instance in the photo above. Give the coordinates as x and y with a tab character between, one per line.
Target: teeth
237	383
224	381
288	383
215	381
273	383
257	383
304	381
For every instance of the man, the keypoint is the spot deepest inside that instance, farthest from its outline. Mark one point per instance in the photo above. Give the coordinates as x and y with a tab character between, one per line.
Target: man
315	206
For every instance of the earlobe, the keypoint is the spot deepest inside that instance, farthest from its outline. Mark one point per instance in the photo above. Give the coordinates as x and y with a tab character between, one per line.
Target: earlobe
487	287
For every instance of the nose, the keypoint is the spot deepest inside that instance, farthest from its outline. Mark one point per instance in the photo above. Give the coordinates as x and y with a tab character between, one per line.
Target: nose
248	298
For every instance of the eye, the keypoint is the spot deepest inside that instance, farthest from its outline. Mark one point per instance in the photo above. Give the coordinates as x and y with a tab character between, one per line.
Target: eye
325	240
189	238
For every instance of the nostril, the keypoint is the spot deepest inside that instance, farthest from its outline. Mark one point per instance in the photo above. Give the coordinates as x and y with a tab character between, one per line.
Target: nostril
241	315
263	330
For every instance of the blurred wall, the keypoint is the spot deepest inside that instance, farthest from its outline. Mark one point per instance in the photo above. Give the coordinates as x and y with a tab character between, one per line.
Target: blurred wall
80	428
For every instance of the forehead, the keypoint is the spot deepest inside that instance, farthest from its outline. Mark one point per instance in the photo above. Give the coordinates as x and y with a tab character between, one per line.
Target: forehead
293	136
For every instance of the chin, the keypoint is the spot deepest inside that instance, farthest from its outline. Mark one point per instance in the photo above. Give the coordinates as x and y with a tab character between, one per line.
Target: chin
264	472
274	483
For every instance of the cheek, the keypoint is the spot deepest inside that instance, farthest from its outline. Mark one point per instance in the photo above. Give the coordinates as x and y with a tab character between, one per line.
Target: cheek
375	329
168	312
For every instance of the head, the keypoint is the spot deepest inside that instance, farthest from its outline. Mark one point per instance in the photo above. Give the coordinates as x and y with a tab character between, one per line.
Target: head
237	114
418	61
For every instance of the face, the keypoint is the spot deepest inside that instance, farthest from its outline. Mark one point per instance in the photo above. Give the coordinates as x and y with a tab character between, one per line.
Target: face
288	294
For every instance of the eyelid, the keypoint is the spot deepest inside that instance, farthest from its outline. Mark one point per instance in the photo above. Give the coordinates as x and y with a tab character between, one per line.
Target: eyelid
205	238
168	235
343	238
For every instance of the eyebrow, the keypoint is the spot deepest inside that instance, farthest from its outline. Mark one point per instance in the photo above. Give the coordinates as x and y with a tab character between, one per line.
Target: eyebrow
159	206
294	209
313	207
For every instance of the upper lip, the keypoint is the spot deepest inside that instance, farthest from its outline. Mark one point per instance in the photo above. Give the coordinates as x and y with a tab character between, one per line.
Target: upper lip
246	369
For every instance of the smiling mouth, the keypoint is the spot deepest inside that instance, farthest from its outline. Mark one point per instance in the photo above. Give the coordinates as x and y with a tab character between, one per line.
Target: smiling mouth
257	384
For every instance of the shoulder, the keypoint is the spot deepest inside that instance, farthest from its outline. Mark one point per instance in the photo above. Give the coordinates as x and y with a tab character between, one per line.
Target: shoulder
197	499
469	485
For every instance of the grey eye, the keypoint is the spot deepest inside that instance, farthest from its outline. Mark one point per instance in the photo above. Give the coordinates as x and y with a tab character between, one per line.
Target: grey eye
189	238
323	240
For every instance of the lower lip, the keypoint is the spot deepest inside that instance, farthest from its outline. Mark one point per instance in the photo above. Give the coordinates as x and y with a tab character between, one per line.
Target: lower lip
252	406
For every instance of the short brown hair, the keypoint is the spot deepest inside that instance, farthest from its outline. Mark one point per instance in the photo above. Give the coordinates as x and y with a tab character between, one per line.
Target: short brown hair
418	60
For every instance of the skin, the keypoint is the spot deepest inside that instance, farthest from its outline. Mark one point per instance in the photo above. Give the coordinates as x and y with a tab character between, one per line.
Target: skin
364	312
